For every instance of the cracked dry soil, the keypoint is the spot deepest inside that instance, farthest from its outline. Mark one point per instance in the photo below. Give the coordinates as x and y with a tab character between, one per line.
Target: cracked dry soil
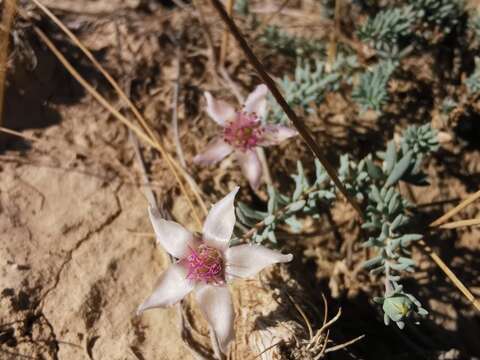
75	257
72	272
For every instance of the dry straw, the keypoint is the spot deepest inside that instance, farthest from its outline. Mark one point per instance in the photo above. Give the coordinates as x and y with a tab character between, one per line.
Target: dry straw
8	15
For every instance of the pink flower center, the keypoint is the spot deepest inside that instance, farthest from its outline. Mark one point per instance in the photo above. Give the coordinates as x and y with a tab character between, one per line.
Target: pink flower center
205	263
244	132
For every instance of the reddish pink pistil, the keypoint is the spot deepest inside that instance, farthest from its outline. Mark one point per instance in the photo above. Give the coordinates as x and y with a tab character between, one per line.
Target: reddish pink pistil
244	132
205	263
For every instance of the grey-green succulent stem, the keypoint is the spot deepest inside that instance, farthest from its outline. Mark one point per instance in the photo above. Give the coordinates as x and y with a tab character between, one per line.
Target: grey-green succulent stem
388	284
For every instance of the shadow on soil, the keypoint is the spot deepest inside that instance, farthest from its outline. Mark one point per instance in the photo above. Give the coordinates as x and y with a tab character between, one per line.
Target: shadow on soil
32	95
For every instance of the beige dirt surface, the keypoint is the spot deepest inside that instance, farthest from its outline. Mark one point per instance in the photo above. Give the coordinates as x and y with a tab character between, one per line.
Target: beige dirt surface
74	269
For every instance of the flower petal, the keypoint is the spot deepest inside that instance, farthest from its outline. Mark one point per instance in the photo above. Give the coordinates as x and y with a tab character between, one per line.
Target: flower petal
216	305
219	110
218	226
251	167
247	260
173	237
275	134
216	150
257	101
172	287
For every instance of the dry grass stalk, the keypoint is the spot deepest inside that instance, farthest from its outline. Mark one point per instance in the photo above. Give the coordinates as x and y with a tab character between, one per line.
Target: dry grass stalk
442	219
8	15
332	46
19	134
460	223
206	31
451	275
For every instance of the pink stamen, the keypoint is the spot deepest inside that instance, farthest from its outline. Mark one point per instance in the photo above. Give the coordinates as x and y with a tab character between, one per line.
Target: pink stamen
205	264
244	132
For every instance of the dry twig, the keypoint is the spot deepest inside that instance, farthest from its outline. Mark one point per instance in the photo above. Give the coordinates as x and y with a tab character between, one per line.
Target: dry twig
332	46
226	34
8	15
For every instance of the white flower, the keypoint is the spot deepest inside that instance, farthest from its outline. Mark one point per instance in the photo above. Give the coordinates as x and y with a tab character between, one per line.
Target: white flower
242	132
206	264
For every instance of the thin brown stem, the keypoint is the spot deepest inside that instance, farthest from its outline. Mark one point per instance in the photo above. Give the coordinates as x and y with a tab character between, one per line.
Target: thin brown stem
311	143
345	344
267	349
231	84
303	315
470	199
226	34
8	15
19	134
